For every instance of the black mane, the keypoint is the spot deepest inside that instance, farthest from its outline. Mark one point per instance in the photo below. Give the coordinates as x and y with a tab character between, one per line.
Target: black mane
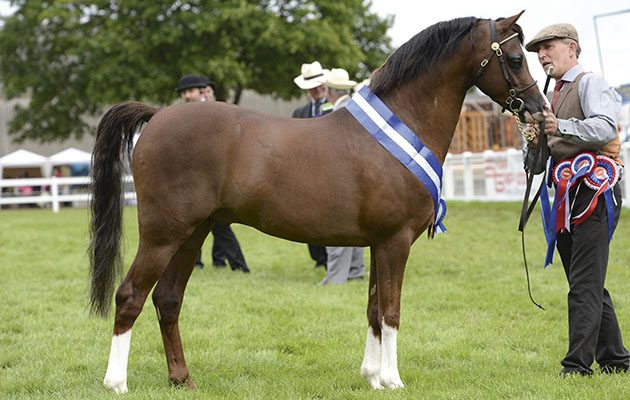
420	52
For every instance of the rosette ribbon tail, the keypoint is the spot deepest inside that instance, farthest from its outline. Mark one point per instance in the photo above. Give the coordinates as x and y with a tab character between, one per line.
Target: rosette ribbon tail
438	226
548	223
606	190
608	195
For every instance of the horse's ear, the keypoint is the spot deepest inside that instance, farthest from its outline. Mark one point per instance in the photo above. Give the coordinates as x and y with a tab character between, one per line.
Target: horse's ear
508	22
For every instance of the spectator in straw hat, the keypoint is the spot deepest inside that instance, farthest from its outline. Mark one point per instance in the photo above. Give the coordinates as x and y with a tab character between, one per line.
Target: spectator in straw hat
312	81
583	118
338	87
343	263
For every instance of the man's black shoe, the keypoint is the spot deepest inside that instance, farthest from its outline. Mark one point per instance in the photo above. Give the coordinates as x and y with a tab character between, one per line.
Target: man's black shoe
241	268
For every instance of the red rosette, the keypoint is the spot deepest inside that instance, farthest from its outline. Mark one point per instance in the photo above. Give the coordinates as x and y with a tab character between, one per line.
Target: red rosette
581	160
562	171
605	170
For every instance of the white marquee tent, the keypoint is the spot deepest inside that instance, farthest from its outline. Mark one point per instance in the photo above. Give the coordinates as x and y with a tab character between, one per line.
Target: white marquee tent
25	159
70	156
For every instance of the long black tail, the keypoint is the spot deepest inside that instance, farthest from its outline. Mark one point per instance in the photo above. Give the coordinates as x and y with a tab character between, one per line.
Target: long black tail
114	138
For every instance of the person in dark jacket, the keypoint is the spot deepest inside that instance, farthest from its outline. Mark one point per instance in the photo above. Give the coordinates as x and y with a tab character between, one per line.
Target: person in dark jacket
225	246
312	80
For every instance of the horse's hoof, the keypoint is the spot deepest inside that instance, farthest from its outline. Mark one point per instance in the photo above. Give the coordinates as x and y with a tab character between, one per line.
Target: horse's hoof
117	385
376	385
372	379
392	383
187	383
190	385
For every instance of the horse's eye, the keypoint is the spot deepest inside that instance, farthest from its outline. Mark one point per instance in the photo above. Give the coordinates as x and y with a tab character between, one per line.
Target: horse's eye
515	61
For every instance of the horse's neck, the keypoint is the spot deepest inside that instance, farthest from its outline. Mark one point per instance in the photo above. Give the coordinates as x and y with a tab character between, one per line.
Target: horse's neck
430	106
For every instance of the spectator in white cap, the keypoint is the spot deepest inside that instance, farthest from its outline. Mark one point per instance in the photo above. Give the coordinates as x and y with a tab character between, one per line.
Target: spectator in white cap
343	263
338	87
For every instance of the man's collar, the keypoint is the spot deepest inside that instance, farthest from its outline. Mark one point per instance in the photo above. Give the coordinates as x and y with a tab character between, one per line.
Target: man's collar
573	73
321	101
339	100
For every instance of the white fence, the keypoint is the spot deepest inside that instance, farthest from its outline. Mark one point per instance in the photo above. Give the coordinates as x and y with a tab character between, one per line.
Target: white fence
487	176
497	176
53	191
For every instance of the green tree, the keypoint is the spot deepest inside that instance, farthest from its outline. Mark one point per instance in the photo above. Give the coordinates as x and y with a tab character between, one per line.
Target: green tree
75	57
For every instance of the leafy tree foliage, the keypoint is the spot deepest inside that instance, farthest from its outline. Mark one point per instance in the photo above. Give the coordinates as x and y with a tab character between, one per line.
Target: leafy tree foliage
73	57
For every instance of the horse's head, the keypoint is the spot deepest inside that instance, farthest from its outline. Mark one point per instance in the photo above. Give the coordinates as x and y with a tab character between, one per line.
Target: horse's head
502	71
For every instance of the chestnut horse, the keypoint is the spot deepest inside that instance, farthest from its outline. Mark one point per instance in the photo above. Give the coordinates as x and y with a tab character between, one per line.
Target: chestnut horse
198	163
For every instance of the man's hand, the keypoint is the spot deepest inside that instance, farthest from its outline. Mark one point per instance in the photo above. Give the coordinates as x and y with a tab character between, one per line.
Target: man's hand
551	122
533	128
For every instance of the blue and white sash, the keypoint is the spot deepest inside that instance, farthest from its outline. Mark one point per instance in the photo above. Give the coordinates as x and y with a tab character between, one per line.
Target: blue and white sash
402	143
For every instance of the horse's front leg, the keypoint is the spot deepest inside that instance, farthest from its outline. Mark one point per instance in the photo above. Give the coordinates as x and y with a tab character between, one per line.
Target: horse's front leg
390	258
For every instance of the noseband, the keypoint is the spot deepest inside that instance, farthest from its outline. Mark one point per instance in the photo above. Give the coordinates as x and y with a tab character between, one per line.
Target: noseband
513	103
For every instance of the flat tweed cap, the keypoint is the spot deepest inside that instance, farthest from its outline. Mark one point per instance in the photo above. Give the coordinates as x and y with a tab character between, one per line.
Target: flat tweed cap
556	31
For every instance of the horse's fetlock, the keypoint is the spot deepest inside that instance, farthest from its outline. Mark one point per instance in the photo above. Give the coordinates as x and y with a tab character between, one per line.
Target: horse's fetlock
179	378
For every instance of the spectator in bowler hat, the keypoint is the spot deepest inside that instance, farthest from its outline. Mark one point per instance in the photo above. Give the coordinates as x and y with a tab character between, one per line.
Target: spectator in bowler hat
225	246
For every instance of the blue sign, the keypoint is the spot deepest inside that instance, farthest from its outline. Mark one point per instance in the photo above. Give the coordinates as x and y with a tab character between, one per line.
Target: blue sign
624	90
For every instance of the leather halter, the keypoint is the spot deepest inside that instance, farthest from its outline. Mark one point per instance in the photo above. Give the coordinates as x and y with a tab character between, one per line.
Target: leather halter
513	103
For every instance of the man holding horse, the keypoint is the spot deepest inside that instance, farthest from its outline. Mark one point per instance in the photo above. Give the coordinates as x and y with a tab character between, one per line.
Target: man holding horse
582	132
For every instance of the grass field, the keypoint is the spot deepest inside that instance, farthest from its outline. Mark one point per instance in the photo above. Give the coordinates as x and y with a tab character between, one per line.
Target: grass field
468	329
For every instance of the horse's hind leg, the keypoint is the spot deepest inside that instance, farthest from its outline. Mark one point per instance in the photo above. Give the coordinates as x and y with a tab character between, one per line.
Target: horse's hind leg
371	366
145	270
167	298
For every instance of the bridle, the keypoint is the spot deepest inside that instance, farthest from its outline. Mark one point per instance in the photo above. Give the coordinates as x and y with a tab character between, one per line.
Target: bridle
513	103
